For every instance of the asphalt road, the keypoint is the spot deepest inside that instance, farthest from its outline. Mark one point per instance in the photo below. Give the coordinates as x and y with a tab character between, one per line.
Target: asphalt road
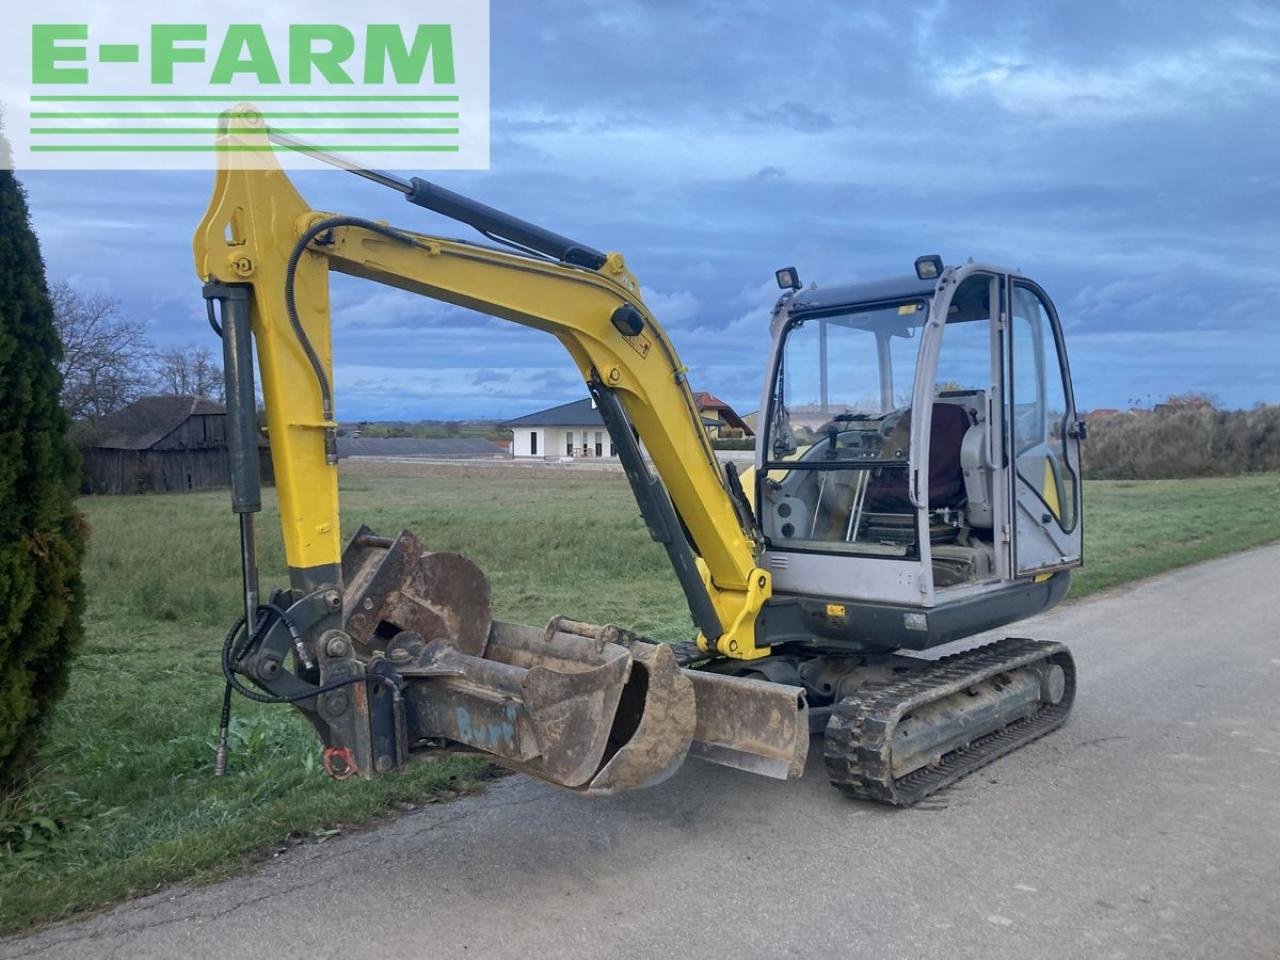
1148	827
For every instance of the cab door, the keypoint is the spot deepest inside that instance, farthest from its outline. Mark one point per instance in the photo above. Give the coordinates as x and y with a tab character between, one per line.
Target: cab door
1042	435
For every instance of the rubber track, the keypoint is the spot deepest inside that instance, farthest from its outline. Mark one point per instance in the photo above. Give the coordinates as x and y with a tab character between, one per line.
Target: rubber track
857	746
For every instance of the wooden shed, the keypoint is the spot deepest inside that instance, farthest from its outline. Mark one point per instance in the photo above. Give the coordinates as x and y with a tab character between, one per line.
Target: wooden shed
162	445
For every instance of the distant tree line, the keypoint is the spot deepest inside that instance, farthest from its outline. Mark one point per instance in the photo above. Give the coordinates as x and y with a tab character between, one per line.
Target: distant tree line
1186	436
107	361
733	443
428	429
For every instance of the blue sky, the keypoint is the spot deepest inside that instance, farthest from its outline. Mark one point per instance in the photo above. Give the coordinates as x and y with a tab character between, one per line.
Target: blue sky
1124	154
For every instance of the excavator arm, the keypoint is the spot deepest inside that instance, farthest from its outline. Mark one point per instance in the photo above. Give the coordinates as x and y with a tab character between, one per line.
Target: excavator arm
393	648
259	234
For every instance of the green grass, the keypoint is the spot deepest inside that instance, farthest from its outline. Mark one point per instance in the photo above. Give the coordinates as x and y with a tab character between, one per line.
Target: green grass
125	800
1137	529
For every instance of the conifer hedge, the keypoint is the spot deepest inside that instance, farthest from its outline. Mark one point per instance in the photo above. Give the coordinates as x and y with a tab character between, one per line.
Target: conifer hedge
41	534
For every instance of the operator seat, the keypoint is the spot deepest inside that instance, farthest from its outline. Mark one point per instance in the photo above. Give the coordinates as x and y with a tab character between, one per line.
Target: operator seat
888	490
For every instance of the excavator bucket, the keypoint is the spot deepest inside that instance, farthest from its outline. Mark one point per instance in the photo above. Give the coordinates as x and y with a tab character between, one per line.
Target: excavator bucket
592	708
658	717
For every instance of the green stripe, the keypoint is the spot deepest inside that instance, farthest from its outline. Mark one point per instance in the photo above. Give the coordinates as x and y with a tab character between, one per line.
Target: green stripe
134	115
234	148
210	131
230	98
118	53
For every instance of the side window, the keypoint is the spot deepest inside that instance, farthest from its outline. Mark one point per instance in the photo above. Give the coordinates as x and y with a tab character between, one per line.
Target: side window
964	364
1040	407
1028	379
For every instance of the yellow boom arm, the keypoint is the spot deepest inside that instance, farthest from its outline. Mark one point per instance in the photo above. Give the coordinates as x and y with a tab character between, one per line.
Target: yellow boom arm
257	221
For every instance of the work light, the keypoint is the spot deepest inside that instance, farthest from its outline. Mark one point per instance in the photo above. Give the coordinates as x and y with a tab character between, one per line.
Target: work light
929	268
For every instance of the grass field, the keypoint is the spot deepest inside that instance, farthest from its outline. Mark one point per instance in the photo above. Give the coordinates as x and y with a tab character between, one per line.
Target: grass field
125	800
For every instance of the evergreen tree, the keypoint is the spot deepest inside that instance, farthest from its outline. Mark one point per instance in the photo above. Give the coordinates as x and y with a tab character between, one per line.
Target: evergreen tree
41	534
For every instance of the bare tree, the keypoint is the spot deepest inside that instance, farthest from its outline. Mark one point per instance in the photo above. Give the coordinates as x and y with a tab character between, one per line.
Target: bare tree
105	356
188	371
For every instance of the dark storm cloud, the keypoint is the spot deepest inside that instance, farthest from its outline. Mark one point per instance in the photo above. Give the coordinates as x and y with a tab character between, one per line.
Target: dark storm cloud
1123	154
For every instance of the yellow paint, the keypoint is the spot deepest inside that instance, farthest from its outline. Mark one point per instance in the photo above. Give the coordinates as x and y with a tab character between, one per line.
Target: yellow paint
835	609
1051	489
265	215
259	209
748	476
738	613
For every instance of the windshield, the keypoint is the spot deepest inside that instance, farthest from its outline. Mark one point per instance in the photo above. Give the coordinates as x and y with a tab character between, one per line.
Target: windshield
843	369
839	433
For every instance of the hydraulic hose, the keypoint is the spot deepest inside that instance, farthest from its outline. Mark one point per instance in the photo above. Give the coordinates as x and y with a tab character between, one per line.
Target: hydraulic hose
291	307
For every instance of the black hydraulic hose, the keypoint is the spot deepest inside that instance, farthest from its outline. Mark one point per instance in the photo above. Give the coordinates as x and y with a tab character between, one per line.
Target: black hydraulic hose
290	303
231	649
213	317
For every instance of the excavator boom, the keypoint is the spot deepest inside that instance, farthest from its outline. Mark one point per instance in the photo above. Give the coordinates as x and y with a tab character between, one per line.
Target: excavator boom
394	650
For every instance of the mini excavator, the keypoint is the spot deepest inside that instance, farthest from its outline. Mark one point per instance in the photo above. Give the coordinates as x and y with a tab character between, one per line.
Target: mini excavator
916	482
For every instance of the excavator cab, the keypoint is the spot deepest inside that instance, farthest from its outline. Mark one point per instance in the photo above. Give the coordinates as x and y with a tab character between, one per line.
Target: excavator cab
918	457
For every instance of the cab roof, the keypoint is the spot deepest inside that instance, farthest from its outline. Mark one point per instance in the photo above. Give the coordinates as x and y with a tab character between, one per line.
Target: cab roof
870	291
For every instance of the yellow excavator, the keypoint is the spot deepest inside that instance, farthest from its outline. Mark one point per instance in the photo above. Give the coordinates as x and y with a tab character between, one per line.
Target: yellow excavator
916	482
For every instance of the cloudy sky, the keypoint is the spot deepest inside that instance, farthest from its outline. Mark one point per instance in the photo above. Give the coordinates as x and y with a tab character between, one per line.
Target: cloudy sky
1125	154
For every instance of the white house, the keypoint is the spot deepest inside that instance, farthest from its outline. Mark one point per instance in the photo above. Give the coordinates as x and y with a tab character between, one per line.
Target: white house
569	430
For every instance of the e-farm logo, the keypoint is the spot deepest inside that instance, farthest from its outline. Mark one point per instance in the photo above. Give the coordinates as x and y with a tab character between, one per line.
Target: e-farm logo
399	86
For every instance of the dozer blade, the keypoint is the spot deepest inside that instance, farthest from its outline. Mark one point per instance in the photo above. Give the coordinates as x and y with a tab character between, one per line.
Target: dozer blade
754	725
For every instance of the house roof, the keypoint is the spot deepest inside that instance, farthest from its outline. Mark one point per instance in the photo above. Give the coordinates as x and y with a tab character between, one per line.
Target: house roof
580	413
147	421
709	401
418	447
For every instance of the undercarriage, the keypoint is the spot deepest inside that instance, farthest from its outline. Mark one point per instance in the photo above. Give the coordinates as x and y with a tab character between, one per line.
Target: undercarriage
897	728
